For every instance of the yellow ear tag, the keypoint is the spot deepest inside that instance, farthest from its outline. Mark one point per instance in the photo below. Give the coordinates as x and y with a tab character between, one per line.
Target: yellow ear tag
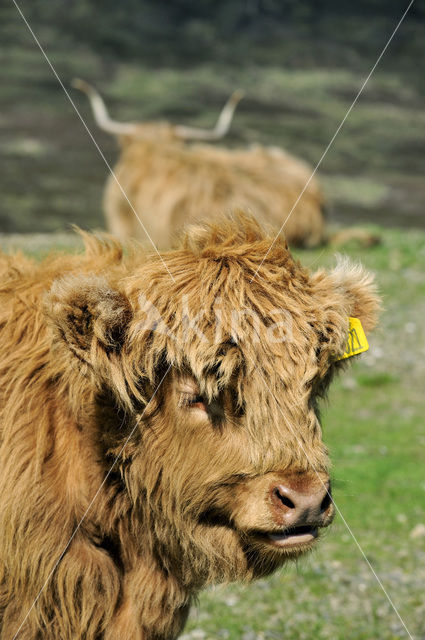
357	341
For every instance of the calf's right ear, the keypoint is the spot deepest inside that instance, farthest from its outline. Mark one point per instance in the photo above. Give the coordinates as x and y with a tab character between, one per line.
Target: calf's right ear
89	316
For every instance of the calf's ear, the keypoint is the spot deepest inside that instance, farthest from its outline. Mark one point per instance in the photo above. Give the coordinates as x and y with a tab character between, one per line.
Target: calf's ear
346	292
358	291
88	315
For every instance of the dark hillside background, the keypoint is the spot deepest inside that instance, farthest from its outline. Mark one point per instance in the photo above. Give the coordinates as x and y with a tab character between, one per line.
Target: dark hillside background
184	32
301	65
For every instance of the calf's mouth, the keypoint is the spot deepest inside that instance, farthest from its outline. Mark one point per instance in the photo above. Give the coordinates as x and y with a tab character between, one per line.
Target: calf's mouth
298	538
303	535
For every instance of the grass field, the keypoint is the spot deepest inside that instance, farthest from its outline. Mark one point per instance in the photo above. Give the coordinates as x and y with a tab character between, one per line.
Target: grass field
374	427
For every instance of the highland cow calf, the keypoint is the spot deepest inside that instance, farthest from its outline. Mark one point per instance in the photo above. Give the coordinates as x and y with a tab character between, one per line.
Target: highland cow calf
170	183
159	426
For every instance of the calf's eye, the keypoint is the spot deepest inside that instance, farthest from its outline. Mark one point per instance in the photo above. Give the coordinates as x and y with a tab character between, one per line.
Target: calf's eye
193	401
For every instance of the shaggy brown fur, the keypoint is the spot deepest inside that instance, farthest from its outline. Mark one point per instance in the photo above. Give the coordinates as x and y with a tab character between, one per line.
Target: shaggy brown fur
85	342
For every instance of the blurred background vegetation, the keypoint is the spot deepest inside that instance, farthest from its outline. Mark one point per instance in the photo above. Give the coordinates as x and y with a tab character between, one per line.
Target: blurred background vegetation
301	65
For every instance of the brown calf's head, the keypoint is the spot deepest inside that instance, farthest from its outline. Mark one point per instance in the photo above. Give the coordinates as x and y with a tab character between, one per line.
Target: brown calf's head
217	374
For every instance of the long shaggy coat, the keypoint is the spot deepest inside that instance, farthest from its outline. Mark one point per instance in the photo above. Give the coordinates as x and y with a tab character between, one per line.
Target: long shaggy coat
144	418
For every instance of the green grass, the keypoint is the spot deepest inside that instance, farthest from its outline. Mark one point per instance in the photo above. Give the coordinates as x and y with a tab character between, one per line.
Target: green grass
374	428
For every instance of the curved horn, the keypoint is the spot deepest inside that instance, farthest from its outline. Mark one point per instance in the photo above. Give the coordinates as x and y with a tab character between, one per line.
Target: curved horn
100	111
222	126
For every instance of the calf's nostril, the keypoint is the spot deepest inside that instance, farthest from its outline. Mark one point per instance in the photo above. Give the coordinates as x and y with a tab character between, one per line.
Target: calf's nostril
326	502
284	498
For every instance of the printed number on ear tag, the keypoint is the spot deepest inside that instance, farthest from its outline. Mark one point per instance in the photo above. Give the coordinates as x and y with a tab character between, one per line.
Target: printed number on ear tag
357	341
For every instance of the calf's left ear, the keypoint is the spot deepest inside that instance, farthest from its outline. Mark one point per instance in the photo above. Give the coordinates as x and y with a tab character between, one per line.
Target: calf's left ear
358	291
89	315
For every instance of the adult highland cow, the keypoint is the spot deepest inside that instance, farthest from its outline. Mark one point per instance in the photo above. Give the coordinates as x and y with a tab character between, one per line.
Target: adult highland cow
170	183
151	446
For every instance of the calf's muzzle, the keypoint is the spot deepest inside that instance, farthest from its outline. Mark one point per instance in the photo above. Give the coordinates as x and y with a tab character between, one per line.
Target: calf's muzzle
302	503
